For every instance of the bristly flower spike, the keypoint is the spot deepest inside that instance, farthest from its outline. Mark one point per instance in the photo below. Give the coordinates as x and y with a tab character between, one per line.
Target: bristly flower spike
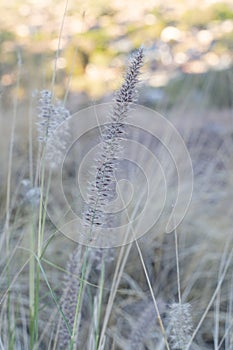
181	325
51	116
101	190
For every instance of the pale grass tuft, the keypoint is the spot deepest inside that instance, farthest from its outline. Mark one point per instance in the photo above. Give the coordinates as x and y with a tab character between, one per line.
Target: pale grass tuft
53	130
181	325
69	298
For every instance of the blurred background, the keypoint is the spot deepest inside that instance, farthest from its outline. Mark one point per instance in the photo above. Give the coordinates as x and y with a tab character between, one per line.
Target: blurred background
188	48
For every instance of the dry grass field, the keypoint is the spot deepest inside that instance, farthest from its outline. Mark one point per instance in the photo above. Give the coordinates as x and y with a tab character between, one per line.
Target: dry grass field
116	177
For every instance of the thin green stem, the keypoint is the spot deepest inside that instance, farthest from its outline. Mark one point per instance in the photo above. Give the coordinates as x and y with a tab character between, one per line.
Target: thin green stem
101	288
79	298
6	231
58	47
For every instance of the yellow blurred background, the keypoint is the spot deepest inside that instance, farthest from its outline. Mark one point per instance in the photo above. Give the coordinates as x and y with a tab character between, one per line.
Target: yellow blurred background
88	43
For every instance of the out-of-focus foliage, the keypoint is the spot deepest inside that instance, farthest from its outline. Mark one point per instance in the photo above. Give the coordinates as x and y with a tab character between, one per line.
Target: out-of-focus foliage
97	36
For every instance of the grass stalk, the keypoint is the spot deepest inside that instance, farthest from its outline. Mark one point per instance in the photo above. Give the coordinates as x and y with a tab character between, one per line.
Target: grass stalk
100	299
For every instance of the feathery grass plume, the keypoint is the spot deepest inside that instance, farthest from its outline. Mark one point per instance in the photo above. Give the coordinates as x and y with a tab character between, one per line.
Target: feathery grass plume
101	190
100	193
69	297
51	116
181	325
45	111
